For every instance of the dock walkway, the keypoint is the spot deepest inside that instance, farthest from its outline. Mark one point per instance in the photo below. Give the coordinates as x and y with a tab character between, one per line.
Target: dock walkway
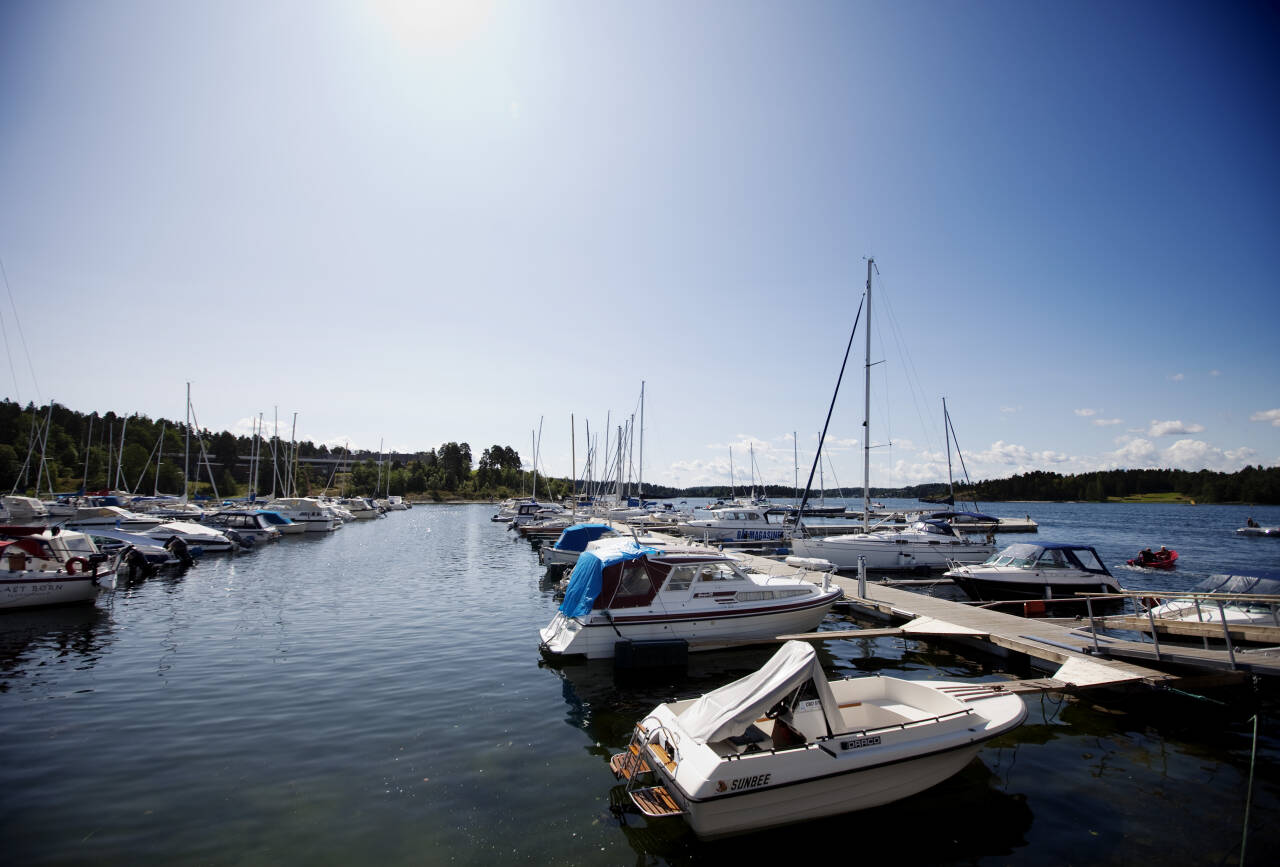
1077	657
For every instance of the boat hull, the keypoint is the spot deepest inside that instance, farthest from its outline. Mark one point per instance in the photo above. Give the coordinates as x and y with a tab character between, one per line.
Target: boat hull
596	639
35	590
844	551
994	588
814	799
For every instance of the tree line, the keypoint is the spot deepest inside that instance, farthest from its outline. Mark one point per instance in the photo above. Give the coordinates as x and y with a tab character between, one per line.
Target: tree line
53	448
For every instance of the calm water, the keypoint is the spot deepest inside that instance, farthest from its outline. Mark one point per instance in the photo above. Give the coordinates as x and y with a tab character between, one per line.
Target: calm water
376	696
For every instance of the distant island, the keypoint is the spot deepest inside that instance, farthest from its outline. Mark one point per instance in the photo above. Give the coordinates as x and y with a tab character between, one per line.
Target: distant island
56	449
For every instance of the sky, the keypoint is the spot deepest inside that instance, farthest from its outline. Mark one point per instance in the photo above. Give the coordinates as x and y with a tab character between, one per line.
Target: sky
412	223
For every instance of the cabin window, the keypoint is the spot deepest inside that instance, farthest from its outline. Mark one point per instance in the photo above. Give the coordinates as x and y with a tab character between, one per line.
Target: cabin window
635	580
1052	559
716	572
1089	560
679	579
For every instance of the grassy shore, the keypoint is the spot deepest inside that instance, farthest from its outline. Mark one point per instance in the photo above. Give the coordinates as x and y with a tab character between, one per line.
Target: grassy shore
1154	498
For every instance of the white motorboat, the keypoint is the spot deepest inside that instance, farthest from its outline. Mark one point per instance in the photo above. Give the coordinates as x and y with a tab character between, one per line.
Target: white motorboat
246	523
622	591
1235	599
25	510
283	525
925	545
307	511
786	745
194	535
54	567
360	508
733	524
1046	570
88	517
1254	530
572	542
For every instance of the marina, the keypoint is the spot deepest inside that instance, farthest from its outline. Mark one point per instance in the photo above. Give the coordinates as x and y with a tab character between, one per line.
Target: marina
338	697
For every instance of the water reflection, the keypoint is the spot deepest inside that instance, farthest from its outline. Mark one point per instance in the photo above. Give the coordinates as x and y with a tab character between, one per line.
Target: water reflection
74	635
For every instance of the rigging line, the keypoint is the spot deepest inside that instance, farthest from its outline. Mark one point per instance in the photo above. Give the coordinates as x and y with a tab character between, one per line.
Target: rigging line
911	375
822	438
21	337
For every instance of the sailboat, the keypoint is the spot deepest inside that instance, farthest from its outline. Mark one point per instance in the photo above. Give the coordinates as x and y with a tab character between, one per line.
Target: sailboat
924	545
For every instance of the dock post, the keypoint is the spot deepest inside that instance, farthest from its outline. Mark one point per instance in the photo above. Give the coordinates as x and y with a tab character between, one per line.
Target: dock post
1093	627
1155	636
1226	634
862	576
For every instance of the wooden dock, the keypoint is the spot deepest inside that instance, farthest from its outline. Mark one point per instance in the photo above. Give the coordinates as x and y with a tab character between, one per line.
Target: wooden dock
1075	655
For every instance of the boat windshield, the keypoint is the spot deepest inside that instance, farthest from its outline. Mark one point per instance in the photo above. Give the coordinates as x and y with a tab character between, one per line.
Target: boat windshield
717	572
1021	555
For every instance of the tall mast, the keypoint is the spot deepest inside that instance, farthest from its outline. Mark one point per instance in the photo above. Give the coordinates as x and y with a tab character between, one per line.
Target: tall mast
186	450
640	473
946	429
866	418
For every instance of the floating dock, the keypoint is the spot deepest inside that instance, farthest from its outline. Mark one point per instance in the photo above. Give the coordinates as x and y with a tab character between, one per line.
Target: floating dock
1076	655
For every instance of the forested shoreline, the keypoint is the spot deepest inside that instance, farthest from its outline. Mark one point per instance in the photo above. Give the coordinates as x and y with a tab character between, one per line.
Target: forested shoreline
44	449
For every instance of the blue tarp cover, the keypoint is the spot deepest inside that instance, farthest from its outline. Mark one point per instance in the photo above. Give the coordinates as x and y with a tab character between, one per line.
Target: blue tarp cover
576	537
588	575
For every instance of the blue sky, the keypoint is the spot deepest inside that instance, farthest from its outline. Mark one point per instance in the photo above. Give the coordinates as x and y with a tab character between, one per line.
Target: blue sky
420	222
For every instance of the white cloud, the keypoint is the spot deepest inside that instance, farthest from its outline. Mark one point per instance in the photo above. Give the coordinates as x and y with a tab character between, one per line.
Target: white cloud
1188	454
1269	415
1215	373
1007	410
1104	422
1169	428
1177	377
1085	412
1135	453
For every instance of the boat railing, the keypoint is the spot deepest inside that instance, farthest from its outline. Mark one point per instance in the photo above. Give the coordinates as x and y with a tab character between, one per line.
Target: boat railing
1148	601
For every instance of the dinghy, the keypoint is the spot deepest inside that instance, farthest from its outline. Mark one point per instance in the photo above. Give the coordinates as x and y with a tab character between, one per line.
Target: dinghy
785	745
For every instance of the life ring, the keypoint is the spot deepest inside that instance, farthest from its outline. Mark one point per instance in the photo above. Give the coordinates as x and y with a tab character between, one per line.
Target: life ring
74	560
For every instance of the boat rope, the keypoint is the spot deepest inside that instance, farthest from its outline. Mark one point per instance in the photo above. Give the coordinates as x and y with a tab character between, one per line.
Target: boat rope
1194	695
1248	792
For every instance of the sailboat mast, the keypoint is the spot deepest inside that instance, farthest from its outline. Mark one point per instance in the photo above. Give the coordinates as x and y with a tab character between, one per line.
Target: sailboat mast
866	418
946	429
640	472
186	451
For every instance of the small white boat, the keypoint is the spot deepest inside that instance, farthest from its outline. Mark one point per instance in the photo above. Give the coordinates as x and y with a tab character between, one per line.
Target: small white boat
734	524
247	523
786	745
25	510
194	535
1048	570
281	523
54	567
1253	530
1236	599
925	545
88	517
572	542
309	512
622	591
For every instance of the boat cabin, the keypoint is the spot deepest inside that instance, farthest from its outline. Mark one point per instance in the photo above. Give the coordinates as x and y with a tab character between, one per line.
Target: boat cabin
1048	555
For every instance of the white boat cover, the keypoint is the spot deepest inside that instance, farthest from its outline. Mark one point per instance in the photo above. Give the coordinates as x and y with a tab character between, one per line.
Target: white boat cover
729	710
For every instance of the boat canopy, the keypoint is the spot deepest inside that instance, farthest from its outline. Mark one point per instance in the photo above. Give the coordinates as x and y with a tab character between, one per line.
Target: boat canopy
576	537
588	575
1262	582
1031	553
731	709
